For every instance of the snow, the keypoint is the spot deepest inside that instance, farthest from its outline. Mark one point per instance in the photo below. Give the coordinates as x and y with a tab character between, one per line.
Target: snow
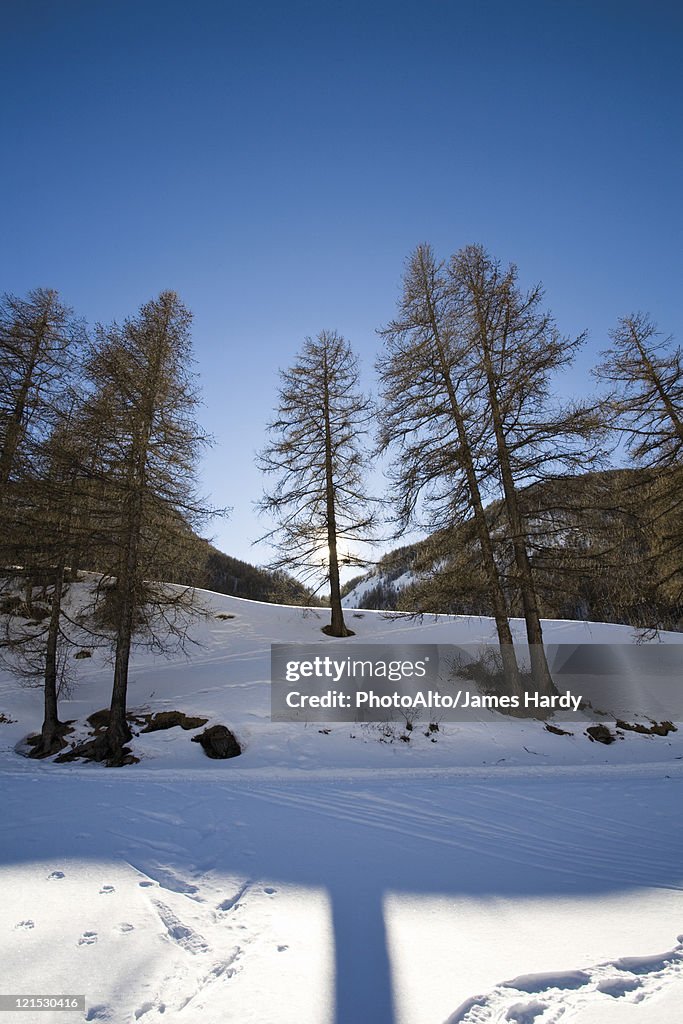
499	874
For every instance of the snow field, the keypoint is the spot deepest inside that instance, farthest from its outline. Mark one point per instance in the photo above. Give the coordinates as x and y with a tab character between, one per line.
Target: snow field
499	874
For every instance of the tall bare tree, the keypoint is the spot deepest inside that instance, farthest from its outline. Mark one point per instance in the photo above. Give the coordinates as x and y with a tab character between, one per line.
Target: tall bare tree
316	453
40	344
432	418
644	372
468	404
35	641
147	443
513	348
38	340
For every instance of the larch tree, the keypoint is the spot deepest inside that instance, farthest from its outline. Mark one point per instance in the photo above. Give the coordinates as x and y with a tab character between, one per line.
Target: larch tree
40	345
40	341
316	453
35	640
644	373
512	350
39	337
145	447
431	418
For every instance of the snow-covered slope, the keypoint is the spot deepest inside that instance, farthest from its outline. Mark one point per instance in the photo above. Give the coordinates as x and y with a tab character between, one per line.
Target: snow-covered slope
225	677
500	873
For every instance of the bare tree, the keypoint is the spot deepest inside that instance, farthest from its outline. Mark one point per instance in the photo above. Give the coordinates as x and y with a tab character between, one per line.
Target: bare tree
645	401
35	642
468	405
512	350
316	453
645	374
38	340
40	343
432	419
140	417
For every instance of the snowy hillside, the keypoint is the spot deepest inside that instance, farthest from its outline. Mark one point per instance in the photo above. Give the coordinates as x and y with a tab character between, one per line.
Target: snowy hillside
484	872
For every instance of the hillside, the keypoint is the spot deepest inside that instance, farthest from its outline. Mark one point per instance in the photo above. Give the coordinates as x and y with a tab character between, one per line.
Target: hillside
227	575
599	550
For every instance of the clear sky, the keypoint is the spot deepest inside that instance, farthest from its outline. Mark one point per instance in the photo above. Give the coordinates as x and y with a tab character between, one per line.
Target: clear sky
275	162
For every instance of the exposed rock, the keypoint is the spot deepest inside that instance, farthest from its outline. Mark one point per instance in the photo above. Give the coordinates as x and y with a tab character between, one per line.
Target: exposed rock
654	729
218	742
600	733
557	731
169	719
99	719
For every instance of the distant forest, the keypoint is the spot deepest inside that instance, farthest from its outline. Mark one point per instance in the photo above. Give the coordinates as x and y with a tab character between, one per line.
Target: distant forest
594	555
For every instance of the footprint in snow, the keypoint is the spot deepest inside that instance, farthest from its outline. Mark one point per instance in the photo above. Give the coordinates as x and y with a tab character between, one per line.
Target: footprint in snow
87	939
56	874
631	979
25	925
525	1013
107	889
100	1012
124	928
269	891
282	949
146	885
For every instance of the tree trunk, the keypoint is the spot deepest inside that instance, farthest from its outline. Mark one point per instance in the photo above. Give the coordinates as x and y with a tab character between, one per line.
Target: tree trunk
539	664
53	730
337	625
118	731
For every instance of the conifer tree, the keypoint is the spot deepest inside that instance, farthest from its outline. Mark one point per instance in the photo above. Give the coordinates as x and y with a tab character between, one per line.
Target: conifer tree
146	443
513	348
40	343
431	422
645	402
39	337
316	453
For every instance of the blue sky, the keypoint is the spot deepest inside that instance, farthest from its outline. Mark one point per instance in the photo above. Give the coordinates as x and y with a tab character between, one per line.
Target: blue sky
275	163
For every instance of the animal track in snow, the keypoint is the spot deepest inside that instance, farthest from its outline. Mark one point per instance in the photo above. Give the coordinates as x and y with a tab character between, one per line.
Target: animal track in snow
87	939
233	902
106	889
146	1007
25	925
632	978
55	875
124	928
99	1012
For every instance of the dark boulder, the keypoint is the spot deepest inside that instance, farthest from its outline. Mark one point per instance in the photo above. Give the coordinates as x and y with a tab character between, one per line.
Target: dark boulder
218	742
600	733
169	719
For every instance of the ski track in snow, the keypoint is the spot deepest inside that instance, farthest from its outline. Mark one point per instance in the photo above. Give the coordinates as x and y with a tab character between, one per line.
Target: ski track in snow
549	998
519	840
